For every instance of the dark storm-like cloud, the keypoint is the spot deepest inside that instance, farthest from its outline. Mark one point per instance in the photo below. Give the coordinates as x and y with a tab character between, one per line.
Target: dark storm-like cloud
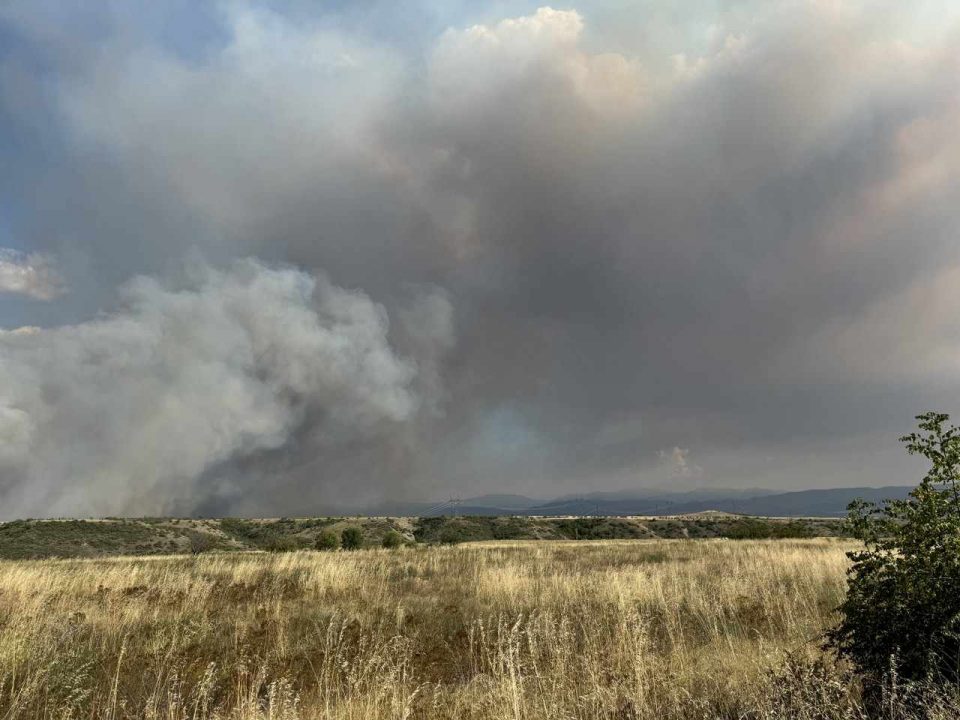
733	262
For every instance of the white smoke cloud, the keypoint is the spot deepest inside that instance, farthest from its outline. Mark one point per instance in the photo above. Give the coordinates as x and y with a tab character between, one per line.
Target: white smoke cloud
679	462
124	413
474	70
30	274
282	110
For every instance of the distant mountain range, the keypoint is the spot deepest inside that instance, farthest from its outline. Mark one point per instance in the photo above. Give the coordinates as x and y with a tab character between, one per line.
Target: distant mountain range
831	502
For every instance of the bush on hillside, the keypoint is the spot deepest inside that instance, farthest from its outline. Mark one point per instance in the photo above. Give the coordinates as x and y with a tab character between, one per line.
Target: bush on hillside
453	530
327	540
392	539
901	615
351	538
281	543
759	529
598	528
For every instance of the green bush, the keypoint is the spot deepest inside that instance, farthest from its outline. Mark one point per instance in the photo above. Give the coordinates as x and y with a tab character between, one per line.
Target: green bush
598	529
327	540
392	539
281	543
351	538
452	536
510	529
453	530
425	529
757	529
901	615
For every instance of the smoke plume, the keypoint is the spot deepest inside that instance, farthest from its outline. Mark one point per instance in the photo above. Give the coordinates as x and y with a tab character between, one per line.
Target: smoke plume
573	238
126	412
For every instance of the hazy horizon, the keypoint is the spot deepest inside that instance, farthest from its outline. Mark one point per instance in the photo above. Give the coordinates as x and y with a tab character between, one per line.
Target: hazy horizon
257	258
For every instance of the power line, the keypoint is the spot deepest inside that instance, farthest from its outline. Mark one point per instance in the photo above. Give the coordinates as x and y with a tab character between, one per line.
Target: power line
437	508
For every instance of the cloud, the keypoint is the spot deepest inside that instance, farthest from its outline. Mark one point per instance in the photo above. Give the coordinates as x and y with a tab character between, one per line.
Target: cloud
29	274
475	70
277	111
678	463
127	412
737	223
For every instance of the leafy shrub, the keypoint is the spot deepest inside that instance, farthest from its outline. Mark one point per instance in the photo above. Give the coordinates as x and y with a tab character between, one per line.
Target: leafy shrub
327	540
452	536
351	538
72	538
425	529
757	529
248	531
281	543
598	529
510	528
452	530
271	535
392	539
901	615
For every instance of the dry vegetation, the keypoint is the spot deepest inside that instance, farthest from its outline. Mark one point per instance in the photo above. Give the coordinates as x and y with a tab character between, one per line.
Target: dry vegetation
32	539
537	630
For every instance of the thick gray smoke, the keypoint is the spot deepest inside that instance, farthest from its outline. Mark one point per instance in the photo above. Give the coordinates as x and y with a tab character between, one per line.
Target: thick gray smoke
699	243
126	412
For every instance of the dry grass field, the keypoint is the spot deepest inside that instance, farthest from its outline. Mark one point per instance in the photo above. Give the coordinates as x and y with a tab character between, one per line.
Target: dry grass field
536	630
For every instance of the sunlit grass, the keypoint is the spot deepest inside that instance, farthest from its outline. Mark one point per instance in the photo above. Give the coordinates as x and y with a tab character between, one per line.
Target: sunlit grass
618	629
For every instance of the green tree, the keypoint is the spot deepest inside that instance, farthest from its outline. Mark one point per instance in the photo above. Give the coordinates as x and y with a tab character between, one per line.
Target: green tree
351	538
327	540
902	610
392	539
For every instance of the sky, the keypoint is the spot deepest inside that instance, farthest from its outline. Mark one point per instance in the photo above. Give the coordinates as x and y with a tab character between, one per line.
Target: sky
278	258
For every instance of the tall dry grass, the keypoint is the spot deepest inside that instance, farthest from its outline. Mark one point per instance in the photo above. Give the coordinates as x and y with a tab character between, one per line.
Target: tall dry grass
631	629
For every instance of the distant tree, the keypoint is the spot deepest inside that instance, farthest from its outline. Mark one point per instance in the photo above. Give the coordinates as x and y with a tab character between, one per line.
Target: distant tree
327	540
351	538
392	539
901	614
200	542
